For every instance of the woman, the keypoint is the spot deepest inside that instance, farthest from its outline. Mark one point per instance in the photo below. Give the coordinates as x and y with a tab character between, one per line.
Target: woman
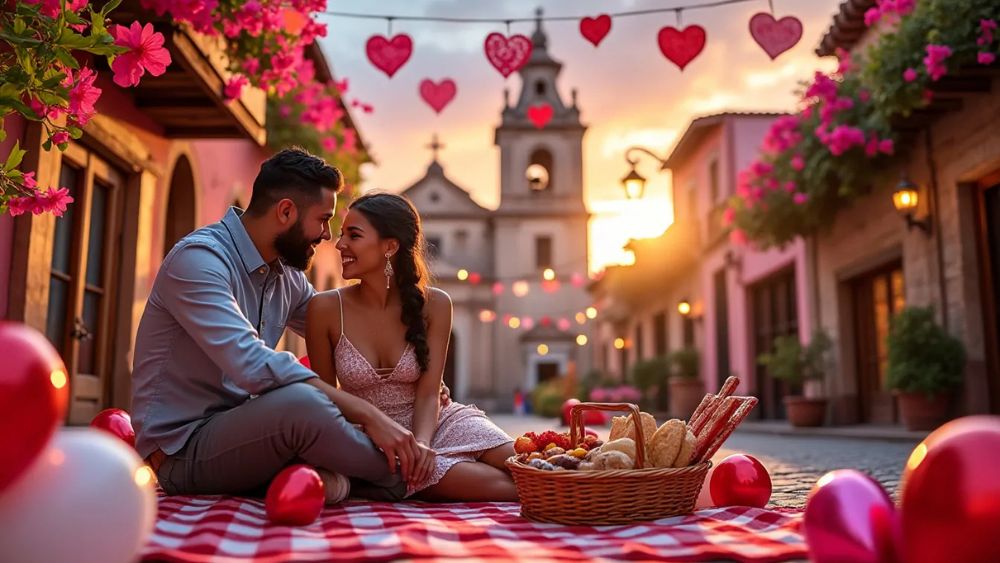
354	337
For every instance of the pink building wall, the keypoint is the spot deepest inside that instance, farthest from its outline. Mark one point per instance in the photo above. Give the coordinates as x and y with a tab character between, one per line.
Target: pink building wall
735	144
14	125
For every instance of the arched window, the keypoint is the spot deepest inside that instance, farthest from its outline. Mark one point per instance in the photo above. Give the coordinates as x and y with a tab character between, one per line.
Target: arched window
181	218
539	172
540	87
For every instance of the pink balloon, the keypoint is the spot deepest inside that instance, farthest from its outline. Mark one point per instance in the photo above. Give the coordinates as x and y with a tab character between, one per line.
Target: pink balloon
117	422
740	480
295	496
849	517
950	507
705	495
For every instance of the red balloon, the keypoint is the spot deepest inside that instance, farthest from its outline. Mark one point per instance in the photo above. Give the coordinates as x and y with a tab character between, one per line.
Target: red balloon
849	517
589	417
951	493
34	392
304	360
740	480
117	422
295	497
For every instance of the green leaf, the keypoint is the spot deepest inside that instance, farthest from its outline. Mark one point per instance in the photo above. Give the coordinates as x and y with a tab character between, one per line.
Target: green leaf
111	5
67	59
73	40
74	131
54	80
18	40
73	18
14	158
19	26
3	133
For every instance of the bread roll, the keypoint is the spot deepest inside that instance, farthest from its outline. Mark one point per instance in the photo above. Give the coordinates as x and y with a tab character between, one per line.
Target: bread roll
666	443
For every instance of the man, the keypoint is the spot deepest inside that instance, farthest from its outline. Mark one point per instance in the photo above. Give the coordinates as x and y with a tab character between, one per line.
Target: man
216	409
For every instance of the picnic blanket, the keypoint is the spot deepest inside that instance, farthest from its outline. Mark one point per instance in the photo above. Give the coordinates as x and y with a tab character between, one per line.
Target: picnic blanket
233	529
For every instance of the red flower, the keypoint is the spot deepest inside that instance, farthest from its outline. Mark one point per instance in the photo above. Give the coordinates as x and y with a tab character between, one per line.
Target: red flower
82	94
235	86
146	54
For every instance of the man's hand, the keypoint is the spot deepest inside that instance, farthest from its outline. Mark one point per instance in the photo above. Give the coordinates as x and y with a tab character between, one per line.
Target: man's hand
395	441
445	395
424	467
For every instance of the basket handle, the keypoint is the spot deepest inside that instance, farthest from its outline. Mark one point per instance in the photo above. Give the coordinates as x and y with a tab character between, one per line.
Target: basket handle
576	429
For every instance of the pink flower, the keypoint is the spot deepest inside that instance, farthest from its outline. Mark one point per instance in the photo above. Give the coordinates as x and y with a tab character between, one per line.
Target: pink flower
28	180
59	137
234	87
737	237
986	29
146	53
864	95
285	110
800	198
20	205
329	144
934	61
341	85
842	138
846	63
871	147
728	216
985	58
909	75
886	146
82	95
790	186
872	16
55	200
52	8
251	65
350	141
798	163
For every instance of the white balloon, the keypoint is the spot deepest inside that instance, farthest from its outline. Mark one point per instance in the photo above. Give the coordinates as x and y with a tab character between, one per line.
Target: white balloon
705	496
88	498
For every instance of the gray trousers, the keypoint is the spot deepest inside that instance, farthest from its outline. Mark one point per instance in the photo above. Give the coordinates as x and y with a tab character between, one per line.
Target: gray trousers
240	450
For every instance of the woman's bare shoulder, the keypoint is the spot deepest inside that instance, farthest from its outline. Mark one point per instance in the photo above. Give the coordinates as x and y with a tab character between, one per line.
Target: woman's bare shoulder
438	302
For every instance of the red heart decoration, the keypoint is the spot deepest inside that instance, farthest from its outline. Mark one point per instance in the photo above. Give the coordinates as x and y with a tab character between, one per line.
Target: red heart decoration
507	54
117	422
540	115
775	37
437	95
295	496
388	55
681	47
595	29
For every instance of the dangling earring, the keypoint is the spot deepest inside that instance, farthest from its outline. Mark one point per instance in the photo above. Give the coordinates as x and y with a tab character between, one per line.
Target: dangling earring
388	270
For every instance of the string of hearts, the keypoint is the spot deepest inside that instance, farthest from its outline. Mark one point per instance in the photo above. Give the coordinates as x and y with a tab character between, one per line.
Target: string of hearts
508	53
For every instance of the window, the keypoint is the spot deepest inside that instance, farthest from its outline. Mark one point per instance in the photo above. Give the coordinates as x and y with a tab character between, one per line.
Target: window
433	246
543	252
540	88
660	334
713	180
539	172
461	239
434	197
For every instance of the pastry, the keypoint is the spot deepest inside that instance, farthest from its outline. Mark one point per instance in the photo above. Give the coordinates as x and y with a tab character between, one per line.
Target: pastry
612	460
687	449
621	427
624	445
665	443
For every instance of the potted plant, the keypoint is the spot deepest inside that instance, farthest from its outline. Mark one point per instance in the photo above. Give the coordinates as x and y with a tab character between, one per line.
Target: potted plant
650	376
802	367
925	367
686	387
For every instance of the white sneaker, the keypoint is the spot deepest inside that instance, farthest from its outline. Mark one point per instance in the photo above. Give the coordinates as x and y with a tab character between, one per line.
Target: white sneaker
338	487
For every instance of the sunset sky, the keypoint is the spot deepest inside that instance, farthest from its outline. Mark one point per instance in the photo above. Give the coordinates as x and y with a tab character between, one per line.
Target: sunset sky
629	94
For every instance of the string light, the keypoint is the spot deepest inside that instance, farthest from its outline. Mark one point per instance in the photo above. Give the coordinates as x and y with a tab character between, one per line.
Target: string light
520	288
462	274
514	322
549	274
619	343
581	318
487	316
543	349
581	339
591	312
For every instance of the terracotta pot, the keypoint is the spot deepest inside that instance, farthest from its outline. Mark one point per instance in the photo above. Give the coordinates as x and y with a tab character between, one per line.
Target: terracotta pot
685	395
805	412
920	412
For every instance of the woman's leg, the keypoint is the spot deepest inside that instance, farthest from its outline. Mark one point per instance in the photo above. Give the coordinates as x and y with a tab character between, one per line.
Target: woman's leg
472	481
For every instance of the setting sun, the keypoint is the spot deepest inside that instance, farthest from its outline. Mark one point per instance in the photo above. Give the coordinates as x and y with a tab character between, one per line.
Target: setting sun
615	222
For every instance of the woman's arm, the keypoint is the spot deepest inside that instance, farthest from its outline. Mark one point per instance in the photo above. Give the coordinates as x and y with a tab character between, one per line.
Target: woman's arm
427	405
321	327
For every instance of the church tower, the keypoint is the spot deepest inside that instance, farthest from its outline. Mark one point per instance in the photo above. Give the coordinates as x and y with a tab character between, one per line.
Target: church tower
540	224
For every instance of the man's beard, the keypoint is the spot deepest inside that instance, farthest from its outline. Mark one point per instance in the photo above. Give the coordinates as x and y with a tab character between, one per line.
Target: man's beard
293	247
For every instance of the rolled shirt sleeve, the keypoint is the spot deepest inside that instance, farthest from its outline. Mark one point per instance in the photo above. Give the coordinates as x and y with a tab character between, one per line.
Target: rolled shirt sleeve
199	293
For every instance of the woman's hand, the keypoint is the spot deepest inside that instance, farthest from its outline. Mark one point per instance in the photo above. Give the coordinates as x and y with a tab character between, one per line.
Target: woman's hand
395	441
424	467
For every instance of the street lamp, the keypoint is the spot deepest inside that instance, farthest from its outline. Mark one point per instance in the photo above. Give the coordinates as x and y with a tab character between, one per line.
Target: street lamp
906	199
633	182
684	307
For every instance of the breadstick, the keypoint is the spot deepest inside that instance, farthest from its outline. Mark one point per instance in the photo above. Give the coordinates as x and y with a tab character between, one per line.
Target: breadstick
701	407
728	386
716	423
746	405
698	425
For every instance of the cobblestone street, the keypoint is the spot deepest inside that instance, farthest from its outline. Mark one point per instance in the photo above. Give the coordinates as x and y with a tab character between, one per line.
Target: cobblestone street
794	462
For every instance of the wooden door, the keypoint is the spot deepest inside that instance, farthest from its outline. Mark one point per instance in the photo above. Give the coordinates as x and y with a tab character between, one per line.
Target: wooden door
774	313
988	231
82	304
877	297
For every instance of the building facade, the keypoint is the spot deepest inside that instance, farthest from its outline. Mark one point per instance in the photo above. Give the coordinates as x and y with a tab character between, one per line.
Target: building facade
513	327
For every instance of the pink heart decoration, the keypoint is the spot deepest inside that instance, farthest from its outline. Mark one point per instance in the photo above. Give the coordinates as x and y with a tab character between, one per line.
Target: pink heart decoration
595	29
388	55
540	115
507	54
437	95
775	37
681	47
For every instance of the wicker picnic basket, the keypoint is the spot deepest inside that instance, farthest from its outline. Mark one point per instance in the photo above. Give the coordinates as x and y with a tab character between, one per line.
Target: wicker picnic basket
620	496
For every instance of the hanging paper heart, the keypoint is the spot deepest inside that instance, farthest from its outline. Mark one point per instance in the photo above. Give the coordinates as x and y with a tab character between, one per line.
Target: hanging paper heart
681	47
775	36
437	95
507	54
540	115
388	55
595	29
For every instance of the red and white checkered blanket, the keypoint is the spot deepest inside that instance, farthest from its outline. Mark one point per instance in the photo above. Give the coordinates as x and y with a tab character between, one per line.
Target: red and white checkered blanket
230	529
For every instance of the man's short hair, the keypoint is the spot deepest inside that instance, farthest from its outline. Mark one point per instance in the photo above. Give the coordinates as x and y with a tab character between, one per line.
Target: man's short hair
295	174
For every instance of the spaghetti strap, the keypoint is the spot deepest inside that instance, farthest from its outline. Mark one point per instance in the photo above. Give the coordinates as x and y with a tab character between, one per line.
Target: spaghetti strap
340	302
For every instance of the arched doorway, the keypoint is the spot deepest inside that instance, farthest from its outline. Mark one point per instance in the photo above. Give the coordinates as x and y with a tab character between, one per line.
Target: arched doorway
181	216
449	367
